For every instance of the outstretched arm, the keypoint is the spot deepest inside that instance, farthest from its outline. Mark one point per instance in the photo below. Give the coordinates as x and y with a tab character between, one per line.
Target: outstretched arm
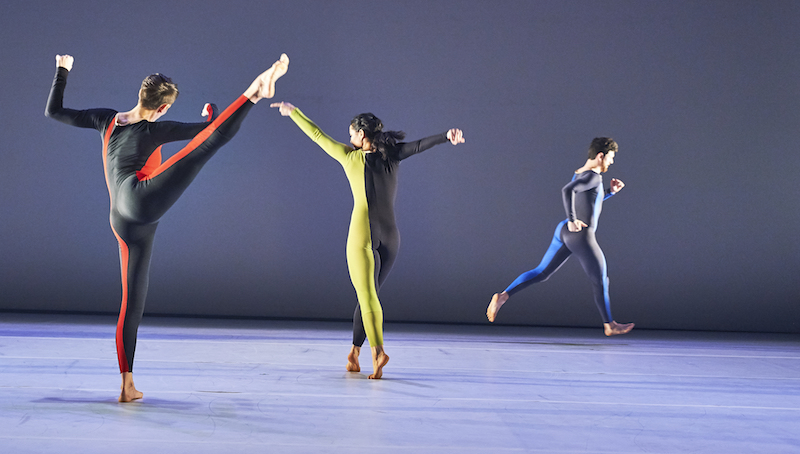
336	150
404	150
92	118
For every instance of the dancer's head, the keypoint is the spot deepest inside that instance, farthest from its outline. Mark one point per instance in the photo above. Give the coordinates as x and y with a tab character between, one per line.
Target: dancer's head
366	132
364	127
157	90
606	147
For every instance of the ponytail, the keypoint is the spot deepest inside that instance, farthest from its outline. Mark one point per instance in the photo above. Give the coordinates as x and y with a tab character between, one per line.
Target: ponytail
382	142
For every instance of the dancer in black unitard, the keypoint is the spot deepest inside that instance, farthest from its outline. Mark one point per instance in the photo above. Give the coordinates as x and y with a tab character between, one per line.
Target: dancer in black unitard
583	200
140	186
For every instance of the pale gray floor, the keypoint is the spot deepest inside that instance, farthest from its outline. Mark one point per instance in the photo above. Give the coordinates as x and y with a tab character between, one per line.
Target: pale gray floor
219	386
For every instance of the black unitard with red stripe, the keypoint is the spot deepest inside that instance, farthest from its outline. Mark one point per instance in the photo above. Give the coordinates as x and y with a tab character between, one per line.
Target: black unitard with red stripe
142	188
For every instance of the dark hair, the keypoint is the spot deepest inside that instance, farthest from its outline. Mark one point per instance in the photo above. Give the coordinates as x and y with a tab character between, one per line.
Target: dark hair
602	145
157	89
383	142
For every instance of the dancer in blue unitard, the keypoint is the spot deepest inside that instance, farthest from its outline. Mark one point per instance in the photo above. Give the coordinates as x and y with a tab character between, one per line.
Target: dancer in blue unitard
583	201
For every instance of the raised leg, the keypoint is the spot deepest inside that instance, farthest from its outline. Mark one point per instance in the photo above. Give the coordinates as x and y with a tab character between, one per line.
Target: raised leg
264	85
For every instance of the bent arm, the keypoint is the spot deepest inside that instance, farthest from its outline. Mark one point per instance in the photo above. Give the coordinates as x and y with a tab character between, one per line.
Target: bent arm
580	183
616	186
336	150
91	118
406	149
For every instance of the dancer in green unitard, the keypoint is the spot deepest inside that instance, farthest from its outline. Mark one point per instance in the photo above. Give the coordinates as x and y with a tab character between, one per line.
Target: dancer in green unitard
371	166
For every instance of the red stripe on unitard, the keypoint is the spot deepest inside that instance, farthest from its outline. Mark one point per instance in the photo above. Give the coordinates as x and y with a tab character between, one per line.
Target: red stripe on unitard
199	138
123	254
153	162
123	260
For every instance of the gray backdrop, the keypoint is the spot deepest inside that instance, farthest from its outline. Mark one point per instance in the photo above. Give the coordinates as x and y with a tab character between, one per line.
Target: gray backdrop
702	97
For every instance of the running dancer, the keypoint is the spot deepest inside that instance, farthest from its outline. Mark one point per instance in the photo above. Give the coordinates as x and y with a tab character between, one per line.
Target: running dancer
140	186
583	200
371	166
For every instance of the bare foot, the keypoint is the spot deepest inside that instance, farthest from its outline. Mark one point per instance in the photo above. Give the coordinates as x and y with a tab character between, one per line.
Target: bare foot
614	328
379	359
128	390
264	85
352	359
271	76
494	306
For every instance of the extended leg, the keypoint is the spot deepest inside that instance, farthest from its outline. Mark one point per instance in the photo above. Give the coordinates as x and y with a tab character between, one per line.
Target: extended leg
151	197
160	189
557	253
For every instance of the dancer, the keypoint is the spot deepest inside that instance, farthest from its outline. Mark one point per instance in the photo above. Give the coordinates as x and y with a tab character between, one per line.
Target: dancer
583	200
140	186
371	166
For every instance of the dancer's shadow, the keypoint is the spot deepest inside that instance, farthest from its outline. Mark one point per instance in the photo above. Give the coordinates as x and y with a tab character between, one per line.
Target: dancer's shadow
147	402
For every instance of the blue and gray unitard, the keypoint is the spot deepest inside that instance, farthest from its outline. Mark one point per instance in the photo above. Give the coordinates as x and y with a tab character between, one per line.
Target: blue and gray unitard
583	200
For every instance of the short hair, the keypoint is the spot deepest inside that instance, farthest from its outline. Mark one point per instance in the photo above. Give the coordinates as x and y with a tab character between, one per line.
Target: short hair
157	89
602	145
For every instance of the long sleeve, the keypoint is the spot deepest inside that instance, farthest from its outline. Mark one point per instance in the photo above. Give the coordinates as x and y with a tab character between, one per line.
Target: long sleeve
336	150
580	183
91	118
406	149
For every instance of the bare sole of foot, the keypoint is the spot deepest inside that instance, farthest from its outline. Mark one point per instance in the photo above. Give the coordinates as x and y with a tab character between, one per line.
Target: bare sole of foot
498	299
272	75
377	366
352	362
615	329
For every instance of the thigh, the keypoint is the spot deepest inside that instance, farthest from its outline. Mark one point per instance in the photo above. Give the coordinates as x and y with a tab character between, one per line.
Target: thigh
386	254
584	246
361	266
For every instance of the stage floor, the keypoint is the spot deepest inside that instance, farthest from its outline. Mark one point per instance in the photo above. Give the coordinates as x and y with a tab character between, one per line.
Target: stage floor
240	386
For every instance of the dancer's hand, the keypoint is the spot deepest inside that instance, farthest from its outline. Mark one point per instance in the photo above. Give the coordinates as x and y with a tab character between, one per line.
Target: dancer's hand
616	185
455	136
284	108
64	61
576	226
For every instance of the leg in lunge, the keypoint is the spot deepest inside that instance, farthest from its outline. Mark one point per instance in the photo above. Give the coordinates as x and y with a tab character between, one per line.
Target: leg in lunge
557	253
583	201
